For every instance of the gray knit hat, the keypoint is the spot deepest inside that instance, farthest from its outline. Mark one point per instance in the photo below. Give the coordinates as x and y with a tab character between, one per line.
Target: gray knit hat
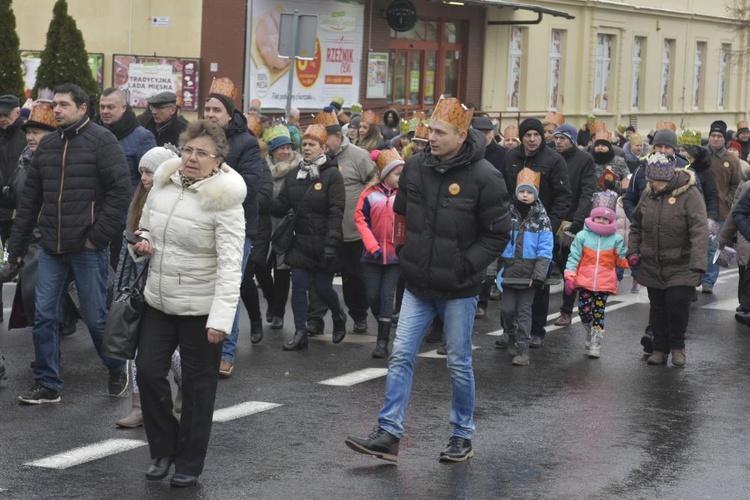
666	137
156	156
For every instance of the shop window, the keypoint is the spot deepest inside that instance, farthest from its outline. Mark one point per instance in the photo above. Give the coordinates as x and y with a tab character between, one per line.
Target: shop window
700	54
636	85
667	69
423	31
555	68
452	32
514	67
602	68
724	54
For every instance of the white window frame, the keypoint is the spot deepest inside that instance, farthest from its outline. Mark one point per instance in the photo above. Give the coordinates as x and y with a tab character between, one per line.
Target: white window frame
515	60
555	69
602	71
636	84
667	70
723	91
699	74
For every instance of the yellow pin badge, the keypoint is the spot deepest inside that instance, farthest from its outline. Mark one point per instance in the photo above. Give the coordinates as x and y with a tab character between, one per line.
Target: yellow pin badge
318	186
454	189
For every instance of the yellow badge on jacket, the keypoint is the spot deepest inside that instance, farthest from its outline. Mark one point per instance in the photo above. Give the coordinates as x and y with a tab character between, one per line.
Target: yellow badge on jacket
454	189
318	186
726	164
672	200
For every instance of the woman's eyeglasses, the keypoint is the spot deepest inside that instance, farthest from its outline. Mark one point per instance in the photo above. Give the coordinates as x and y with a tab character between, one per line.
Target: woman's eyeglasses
199	153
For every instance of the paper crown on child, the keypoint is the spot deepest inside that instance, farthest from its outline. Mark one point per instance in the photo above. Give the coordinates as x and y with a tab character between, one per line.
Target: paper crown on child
742	126
386	160
528	180
370	117
660	167
605	205
452	112
662	124
689	138
510	132
42	116
277	136
328	119
421	133
316	132
553	118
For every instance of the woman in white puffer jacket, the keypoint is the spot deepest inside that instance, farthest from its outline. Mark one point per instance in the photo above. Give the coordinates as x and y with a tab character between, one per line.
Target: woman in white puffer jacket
194	227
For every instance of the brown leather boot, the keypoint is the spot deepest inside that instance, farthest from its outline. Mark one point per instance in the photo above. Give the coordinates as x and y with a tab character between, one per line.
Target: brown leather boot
678	357
135	418
657	358
564	319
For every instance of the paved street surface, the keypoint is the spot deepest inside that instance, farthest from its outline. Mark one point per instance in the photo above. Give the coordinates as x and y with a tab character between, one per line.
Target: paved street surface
563	427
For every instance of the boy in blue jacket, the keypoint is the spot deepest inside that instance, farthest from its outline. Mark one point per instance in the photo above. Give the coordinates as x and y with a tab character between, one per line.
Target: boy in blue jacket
524	263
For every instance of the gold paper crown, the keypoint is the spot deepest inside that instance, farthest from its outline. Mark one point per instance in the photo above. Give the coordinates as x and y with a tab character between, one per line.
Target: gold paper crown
742	124
421	133
255	103
370	117
510	132
528	176
454	113
689	138
662	124
386	157
42	114
553	118
316	132
223	86
327	118
254	125
600	132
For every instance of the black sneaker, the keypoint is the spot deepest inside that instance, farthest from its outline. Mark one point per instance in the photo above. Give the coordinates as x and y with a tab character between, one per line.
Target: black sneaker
380	443
360	326
647	341
458	450
39	394
118	381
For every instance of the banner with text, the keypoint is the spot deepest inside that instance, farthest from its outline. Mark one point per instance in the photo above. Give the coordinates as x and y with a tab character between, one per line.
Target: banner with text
335	69
144	76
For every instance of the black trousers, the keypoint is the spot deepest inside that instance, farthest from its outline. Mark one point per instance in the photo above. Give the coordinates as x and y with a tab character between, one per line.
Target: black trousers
743	288
669	314
185	439
561	257
274	283
353	285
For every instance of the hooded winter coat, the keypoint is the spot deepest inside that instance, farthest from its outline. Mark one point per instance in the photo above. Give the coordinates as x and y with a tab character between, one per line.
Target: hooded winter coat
594	258
374	217
727	173
457	221
669	230
390	131
198	234
320	211
638	184
528	254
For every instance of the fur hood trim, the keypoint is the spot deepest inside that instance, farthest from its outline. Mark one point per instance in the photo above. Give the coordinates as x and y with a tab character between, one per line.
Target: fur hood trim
217	193
679	189
280	169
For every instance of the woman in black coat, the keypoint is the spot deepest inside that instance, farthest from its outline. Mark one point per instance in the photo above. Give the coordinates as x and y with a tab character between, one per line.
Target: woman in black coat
315	191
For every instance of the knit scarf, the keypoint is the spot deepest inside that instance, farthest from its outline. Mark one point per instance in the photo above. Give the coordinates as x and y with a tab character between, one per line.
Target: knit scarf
187	181
311	169
601	229
124	126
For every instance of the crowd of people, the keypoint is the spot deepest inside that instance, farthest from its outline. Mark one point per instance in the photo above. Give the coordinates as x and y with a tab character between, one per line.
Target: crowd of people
426	220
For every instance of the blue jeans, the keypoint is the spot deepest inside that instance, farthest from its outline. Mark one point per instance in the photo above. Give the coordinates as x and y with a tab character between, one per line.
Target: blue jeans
230	343
712	271
414	320
90	270
322	283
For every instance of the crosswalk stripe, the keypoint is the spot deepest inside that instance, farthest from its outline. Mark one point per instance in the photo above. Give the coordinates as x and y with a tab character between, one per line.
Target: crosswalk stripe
88	453
354	378
242	410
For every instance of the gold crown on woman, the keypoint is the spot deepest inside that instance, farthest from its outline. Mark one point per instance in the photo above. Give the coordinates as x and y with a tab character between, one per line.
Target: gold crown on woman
510	132
327	117
452	112
223	86
43	114
317	132
689	138
370	117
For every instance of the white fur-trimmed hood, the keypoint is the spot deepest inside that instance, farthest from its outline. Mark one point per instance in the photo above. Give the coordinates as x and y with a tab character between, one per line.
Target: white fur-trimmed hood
220	192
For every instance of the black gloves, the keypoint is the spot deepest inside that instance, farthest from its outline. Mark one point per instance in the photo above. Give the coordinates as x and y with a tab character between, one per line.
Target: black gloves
330	254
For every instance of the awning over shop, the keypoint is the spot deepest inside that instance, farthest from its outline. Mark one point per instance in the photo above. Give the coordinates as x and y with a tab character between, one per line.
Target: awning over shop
515	6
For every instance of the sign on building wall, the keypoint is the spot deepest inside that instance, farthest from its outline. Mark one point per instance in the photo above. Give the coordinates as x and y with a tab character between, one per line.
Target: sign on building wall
31	59
334	69
143	76
377	75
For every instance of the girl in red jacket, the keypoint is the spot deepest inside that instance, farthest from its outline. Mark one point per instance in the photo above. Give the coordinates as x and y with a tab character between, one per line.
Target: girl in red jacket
374	218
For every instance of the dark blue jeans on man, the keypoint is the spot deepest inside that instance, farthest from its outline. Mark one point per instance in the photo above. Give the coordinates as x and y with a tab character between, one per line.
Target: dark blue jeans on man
90	269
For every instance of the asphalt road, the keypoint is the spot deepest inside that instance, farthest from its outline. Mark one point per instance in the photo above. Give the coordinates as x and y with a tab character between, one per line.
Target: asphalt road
563	427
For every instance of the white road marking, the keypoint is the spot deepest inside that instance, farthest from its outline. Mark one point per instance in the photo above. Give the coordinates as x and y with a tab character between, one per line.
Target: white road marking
357	377
351	338
88	453
433	354
722	305
242	410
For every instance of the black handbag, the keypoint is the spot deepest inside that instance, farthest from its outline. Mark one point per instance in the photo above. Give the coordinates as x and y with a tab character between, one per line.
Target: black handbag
283	235
124	319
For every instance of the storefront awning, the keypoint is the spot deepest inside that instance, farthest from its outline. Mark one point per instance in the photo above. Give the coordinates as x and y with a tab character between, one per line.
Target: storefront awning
515	6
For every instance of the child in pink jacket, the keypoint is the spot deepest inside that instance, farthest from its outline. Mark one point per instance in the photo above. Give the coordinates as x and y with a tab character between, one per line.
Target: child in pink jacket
374	218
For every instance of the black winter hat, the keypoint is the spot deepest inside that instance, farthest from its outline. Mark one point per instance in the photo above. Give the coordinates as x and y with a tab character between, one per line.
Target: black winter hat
718	126
530	124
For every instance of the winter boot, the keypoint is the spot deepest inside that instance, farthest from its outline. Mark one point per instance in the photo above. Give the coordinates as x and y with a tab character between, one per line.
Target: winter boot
595	351
587	327
135	419
298	342
678	357
256	330
339	327
384	333
522	355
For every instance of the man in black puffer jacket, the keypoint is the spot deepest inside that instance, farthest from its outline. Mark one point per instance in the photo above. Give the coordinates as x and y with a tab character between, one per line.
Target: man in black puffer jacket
244	156
457	222
77	190
554	193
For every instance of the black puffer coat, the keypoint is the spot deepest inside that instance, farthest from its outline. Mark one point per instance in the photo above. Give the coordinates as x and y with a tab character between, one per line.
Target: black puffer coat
262	240
582	178
457	221
78	188
12	144
319	216
171	133
244	157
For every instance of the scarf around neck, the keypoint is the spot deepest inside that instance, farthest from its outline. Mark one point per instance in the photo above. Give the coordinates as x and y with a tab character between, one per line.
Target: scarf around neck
187	181
311	169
